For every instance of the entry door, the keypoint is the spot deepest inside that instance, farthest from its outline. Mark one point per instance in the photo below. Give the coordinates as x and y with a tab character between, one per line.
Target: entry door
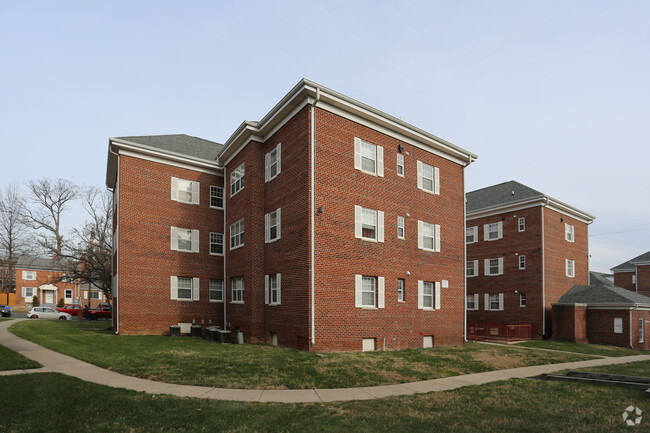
49	297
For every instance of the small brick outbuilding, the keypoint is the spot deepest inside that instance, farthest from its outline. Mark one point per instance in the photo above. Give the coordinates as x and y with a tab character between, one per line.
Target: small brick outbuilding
602	314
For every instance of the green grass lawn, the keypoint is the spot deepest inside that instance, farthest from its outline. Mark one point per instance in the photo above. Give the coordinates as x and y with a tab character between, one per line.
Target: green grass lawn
51	402
10	360
591	349
199	362
631	369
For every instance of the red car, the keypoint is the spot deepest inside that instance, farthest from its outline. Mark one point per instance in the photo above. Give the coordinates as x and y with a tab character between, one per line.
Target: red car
71	309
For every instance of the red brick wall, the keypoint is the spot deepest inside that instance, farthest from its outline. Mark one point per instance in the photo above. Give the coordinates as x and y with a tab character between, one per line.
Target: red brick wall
569	323
643	279
339	255
146	262
625	280
600	327
44	277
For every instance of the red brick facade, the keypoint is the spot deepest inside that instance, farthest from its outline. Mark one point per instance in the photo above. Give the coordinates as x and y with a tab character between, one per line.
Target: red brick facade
636	279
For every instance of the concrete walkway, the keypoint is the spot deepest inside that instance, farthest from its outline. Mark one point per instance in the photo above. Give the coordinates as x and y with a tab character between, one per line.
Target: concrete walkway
59	363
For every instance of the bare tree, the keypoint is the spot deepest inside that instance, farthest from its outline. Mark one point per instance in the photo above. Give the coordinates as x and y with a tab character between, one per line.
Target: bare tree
51	199
13	234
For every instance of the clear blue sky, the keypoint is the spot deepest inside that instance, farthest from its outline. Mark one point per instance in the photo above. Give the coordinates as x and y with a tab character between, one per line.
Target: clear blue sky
554	94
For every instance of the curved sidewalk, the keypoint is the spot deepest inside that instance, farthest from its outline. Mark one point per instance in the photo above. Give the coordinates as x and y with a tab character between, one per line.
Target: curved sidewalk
58	363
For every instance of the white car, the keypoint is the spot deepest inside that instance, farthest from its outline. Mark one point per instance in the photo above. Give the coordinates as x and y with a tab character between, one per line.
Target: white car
47	313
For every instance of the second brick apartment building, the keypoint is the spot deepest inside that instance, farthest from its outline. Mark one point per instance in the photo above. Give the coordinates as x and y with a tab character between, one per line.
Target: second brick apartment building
524	251
327	225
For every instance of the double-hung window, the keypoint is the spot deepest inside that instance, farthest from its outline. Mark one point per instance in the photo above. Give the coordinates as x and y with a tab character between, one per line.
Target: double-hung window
237	285
216	197
570	268
428	295
216	243
184	288
641	331
522	262
368	224
494	266
569	234
272	226
522	224
369	291
272	163
401	288
29	275
471	268
216	290
400	227
186	240
428	178
368	157
237	234
185	191
237	180
28	292
522	299
400	164
68	294
428	236
272	289
471	235
472	302
493	231
494	301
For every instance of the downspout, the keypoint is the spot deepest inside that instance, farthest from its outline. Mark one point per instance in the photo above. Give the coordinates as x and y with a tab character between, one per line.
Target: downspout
465	260
543	274
223	296
117	265
630	326
313	216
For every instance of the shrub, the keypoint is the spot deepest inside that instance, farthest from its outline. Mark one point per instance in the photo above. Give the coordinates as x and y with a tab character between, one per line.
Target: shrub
35	301
60	304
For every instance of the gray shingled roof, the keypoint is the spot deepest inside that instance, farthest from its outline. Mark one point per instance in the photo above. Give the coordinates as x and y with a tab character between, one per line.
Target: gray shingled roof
600	278
501	194
37	263
601	294
645	257
180	144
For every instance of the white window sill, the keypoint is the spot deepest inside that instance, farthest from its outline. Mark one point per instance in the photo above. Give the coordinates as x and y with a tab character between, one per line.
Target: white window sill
374	241
183	201
429	250
368	172
277	304
368	308
215	207
217	254
237	247
471	276
237	302
401	238
401	302
267	181
216	302
272	240
183	300
428	191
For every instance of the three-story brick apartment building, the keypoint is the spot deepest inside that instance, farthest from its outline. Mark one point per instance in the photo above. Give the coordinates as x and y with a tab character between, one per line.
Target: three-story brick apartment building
327	225
524	251
634	274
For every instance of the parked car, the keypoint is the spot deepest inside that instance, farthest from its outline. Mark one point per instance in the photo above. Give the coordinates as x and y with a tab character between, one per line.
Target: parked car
47	313
104	311
72	310
5	311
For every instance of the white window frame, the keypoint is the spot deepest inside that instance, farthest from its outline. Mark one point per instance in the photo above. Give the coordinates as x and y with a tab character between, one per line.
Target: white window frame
472	302
401	289
569	232
493	228
273	289
521	224
192	189
641	330
400	165
215	243
25	295
633	278
360	214
471	233
474	268
237	179
273	158
177	233
423	292
216	291
522	262
360	153
570	266
493	298
95	294
269	228
522	299
430	173
618	325
379	300
216	193
66	292
237	234
194	288
401	230
237	290
29	275
488	265
425	230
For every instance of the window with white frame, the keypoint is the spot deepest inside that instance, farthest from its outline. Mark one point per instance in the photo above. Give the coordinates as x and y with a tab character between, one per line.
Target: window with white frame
67	293
272	163
522	299
494	266
272	226
216	197
183	289
400	164
237	234
186	240
401	288
494	301
569	234
368	224
400	227
29	275
641	331
522	262
428	178
28	292
493	231
369	291
237	285
95	294
216	290
216	243
570	268
618	325
185	191
633	278
428	295
471	302
237	179
368	157
522	224
471	268
471	235
428	236
272	289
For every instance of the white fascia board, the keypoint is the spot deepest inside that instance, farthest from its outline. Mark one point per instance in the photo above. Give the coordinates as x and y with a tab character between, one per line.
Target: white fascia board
618	271
617	306
570	211
510	207
643	263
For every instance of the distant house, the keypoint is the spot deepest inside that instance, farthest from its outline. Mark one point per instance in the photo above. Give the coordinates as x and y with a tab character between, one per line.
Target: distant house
603	314
525	249
634	274
600	278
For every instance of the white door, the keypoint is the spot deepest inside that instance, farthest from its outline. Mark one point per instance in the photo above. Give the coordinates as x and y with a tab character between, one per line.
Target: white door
49	297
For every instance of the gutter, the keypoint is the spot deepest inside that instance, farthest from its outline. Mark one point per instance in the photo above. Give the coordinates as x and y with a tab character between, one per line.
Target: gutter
313	216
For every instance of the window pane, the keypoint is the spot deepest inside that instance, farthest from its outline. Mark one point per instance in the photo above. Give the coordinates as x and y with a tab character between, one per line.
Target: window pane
185	190
369	223
185	240
368	291
368	157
